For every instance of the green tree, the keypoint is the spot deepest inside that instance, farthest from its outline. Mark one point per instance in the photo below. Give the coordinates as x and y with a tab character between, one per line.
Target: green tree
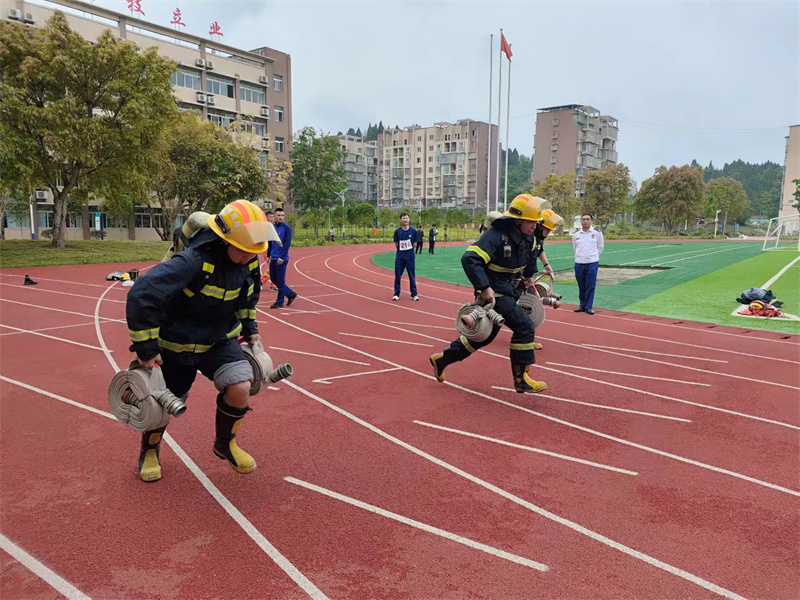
363	215
457	217
560	190
671	196
317	174
727	195
78	113
430	216
605	193
386	218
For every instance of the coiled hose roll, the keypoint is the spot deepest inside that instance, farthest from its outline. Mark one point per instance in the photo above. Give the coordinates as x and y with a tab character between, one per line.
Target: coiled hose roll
139	398
475	321
263	368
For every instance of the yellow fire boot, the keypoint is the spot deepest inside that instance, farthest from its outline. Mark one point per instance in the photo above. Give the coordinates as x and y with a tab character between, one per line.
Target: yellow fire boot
229	420
149	462
524	384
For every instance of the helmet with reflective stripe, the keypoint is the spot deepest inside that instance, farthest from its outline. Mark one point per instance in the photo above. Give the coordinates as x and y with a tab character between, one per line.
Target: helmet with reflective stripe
550	219
243	225
527	207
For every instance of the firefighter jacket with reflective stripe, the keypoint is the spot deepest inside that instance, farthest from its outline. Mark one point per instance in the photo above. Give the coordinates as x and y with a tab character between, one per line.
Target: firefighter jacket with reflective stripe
194	300
500	255
538	246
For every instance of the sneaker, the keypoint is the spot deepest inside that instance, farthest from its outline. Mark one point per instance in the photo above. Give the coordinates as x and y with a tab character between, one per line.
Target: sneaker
29	281
395	298
291	298
276	305
438	370
415	298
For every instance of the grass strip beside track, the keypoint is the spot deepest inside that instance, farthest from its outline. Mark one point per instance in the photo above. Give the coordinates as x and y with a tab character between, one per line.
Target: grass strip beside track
40	253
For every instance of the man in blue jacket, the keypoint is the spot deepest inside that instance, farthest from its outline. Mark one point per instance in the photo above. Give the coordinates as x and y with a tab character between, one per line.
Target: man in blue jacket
280	260
404	237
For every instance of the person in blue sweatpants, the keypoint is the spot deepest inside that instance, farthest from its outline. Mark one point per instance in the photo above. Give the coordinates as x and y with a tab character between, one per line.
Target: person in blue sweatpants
280	260
404	238
588	244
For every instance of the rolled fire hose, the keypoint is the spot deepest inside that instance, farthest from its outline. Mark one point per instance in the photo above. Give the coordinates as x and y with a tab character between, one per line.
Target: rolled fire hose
545	290
531	303
475	321
139	398
263	368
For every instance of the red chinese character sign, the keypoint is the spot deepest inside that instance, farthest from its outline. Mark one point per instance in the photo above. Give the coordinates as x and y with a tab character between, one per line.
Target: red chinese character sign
135	6
215	30
177	21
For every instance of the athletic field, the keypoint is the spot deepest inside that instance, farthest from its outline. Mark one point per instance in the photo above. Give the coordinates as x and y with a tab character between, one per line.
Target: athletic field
697	281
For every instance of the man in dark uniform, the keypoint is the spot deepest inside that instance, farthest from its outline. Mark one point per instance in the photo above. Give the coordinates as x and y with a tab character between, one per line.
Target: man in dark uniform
495	265
186	315
550	220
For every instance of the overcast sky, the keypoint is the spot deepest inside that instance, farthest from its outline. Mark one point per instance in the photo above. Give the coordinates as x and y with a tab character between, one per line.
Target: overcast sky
715	81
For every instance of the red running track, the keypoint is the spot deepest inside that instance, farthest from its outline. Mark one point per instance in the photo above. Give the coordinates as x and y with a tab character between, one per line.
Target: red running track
661	463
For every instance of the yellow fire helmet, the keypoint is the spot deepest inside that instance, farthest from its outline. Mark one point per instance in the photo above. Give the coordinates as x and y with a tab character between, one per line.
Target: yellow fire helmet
527	207
550	219
244	225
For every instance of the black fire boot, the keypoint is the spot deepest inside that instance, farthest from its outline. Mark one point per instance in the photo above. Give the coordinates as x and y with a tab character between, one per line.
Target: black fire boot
149	462
229	419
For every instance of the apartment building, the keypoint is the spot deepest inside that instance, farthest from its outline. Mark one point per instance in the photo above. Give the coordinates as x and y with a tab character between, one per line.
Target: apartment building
443	166
791	171
573	139
223	83
361	167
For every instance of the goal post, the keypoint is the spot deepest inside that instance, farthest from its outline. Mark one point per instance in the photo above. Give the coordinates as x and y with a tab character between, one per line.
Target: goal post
783	233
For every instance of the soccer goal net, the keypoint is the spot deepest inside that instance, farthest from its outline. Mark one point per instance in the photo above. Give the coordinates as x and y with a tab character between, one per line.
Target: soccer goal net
783	233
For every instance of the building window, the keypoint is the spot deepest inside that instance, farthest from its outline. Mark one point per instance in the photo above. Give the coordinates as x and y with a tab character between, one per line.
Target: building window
419	138
279	144
474	132
430	180
430	137
251	93
221	86
221	118
419	160
474	167
278	112
554	135
430	148
555	122
430	169
430	159
552	171
256	126
554	147
277	83
553	160
186	78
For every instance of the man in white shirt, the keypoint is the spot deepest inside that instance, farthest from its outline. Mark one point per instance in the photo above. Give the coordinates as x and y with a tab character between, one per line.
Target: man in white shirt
588	244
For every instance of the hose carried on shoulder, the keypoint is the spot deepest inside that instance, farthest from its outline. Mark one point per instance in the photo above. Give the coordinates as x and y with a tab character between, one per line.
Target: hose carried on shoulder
139	398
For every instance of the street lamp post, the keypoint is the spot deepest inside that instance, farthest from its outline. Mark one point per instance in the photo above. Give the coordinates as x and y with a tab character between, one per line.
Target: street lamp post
716	222
341	195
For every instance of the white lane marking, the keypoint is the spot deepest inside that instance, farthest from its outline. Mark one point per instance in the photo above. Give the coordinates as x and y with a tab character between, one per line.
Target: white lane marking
69	312
528	448
57	397
369	337
279	559
657	353
568	423
327	295
530	506
55	581
291	311
419	525
79	283
327	380
603	406
47	328
353	362
38	289
669	262
421	326
50	337
698	404
628	374
779	274
698	251
273	388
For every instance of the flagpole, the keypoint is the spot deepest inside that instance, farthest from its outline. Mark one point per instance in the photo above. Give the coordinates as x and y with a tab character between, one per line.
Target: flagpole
489	151
499	115
508	127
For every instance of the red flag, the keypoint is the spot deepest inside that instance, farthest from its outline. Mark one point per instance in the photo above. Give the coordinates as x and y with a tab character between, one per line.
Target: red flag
505	47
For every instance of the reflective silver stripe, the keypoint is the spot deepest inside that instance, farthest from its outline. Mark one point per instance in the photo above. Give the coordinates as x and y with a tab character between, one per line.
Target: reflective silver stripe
143	334
466	344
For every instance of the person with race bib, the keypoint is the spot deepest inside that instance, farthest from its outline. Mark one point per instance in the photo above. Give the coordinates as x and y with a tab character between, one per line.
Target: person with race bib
404	238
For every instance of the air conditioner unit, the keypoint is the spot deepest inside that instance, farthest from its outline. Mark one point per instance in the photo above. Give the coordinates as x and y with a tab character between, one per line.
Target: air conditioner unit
201	98
200	62
41	195
263	79
209	65
29	19
265	111
210	100
14	14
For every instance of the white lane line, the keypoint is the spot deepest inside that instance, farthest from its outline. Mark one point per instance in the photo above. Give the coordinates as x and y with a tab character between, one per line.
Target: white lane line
530	506
369	337
669	262
273	388
326	295
528	448
603	406
628	374
568	423
525	562
50	337
55	581
421	326
79	283
91	409
327	380
698	251
50	308
352	362
38	289
656	353
290	312
47	328
698	404
279	559
778	274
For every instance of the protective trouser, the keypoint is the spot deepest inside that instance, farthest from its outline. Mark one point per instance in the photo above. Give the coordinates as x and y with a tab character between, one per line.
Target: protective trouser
521	349
280	280
228	422
586	275
400	265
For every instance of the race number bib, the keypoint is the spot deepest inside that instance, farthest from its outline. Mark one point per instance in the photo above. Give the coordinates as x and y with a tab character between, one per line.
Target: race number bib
405	245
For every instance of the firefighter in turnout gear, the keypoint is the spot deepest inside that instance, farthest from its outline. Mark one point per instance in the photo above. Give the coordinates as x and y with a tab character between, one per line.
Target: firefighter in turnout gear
550	220
186	314
495	265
